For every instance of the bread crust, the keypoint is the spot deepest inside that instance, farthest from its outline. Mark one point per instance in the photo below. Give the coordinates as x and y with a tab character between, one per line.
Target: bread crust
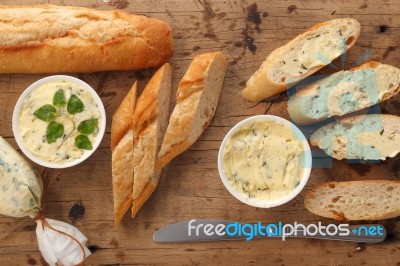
182	130
123	42
122	154
389	122
148	190
148	132
260	86
341	214
295	107
122	118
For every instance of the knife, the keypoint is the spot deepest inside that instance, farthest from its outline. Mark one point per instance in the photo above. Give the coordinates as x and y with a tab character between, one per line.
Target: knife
197	230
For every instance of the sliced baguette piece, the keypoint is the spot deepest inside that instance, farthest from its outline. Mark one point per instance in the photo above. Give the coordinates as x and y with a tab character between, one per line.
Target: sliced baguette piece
122	154
365	137
301	57
355	200
196	102
122	118
344	92
149	124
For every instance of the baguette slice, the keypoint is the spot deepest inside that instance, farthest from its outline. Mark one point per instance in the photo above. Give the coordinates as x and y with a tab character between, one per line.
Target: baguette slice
355	200
149	124
196	102
49	38
301	57
366	137
344	92
122	154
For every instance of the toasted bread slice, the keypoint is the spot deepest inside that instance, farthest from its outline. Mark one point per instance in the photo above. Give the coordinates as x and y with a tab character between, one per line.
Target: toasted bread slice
344	92
366	137
122	154
301	57
150	121
355	200
196	102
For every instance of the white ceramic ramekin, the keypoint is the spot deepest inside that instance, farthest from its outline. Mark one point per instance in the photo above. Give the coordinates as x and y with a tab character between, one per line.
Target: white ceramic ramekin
20	102
260	202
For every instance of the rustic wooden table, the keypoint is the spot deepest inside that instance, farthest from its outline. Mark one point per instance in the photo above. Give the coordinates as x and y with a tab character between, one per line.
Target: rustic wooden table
190	186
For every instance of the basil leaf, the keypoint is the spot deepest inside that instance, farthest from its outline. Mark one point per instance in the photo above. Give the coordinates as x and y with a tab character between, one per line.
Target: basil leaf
87	127
59	98
54	131
46	113
83	142
75	105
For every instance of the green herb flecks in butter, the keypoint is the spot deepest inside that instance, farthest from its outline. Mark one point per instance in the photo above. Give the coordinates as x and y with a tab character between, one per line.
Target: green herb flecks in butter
263	160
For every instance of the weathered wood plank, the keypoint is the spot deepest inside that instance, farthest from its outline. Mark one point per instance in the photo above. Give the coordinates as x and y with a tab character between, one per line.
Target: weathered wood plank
190	186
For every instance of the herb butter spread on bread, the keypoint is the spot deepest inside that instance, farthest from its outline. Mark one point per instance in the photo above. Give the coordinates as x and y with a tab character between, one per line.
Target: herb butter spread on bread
301	57
355	200
21	186
365	137
344	92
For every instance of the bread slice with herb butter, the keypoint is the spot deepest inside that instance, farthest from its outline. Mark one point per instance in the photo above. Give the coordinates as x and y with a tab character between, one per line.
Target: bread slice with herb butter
196	101
150	121
301	57
122	154
21	185
365	137
344	92
355	200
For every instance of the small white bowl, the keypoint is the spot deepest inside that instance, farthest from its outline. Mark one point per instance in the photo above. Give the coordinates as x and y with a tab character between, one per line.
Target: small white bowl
275	202
26	93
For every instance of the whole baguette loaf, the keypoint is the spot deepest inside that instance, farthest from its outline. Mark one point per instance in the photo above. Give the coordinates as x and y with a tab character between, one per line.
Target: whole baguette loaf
122	154
344	92
49	38
196	101
355	200
150	121
366	137
301	57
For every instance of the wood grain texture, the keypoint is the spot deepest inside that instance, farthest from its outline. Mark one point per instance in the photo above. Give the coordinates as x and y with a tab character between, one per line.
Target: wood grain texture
190	186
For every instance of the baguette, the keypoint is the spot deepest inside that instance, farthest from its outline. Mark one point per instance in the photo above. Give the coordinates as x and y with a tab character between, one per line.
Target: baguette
355	200
365	137
365	85
49	38
149	124
301	57
122	154
196	102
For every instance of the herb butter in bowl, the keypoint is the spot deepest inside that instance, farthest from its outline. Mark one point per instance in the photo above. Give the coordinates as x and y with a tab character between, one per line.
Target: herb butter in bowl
264	161
59	121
